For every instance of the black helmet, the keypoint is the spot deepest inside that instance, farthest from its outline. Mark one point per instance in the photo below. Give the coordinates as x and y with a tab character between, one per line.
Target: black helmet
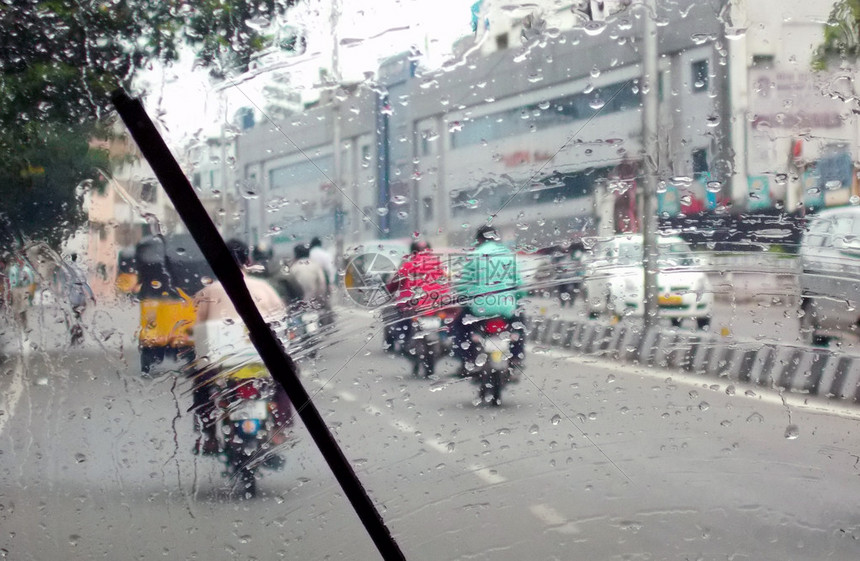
239	251
302	251
486	232
419	245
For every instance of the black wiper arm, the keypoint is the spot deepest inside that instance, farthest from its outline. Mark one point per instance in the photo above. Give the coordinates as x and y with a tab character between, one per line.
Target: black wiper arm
280	366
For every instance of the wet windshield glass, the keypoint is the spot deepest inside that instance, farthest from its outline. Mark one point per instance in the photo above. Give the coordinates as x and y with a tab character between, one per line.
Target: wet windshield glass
563	279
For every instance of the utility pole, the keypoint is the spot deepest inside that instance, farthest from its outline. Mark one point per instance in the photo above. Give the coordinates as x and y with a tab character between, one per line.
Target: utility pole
336	135
222	218
649	143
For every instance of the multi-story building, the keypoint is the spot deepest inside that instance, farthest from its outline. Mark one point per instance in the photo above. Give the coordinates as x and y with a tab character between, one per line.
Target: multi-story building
523	132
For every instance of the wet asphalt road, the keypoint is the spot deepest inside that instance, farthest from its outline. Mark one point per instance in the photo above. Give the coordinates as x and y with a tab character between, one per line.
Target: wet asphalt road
585	460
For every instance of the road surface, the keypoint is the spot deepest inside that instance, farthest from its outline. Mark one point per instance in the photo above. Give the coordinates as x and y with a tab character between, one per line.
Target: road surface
585	460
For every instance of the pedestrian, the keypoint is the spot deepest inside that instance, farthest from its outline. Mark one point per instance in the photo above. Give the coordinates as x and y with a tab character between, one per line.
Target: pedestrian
22	284
79	292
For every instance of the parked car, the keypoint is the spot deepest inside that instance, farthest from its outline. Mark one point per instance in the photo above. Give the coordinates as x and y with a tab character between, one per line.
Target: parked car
830	276
614	280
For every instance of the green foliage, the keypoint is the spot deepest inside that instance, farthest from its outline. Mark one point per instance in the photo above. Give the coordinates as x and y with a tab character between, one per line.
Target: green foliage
841	36
61	59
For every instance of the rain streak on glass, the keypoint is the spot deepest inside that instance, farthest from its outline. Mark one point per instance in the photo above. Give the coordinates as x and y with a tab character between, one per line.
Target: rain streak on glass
521	253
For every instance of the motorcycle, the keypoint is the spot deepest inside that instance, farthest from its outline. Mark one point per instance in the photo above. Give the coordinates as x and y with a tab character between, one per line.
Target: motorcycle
423	344
304	333
245	409
490	346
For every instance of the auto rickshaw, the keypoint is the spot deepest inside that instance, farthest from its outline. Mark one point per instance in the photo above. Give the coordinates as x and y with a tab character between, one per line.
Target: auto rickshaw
170	271
126	276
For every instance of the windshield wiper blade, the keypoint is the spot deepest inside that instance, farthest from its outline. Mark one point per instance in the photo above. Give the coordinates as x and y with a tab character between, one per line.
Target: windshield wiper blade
280	366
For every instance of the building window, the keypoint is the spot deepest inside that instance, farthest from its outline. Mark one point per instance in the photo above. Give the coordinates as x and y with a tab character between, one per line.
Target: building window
700	162
762	61
700	76
148	192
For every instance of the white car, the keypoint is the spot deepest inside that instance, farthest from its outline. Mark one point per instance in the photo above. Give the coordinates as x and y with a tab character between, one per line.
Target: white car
614	280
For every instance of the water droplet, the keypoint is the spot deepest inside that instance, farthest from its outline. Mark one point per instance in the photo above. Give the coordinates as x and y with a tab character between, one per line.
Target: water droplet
792	432
593	28
755	417
595	72
451	446
556	419
456	126
714	186
399	199
80	458
596	103
249	190
382	211
704	406
533	429
730	390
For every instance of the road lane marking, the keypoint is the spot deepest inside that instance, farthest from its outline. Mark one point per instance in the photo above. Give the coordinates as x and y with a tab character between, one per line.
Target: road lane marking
438	446
551	517
760	393
487	475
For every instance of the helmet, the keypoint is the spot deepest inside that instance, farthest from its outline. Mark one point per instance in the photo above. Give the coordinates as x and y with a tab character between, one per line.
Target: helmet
419	245
486	232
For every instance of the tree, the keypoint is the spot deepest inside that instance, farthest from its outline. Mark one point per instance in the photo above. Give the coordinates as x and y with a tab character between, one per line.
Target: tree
61	59
842	34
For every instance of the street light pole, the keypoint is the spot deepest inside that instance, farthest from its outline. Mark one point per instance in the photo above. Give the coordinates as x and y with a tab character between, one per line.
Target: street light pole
649	143
336	135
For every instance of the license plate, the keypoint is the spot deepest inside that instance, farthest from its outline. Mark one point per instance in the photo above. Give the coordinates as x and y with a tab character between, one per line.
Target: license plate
670	300
250	409
429	323
496	356
310	321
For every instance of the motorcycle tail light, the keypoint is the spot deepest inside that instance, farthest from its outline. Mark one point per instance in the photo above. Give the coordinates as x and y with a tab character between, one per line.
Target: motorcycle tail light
495	325
247	391
250	426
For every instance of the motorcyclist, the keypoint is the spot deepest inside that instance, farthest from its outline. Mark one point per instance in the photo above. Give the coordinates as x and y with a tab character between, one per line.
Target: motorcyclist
309	276
325	260
420	287
219	330
489	285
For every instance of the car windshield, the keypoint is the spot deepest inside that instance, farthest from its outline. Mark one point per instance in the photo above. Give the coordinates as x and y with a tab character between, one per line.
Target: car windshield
461	279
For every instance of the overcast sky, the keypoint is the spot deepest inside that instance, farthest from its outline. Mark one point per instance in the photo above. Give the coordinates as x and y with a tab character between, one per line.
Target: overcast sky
184	101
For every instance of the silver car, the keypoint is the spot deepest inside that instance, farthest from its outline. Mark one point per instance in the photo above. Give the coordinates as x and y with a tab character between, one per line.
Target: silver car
830	276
